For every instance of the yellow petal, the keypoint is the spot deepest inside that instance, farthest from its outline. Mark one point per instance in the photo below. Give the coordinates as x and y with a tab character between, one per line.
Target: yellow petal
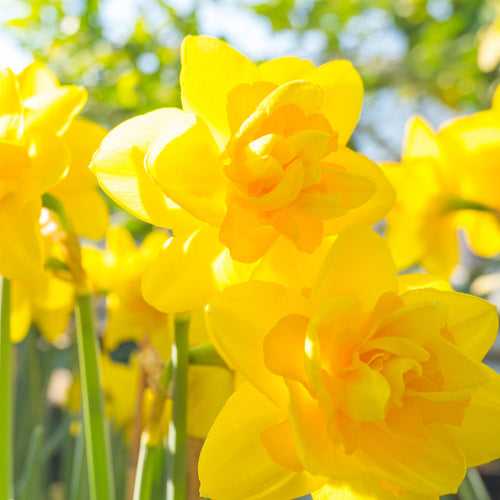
482	230
441	246
472	145
21	246
407	282
284	263
243	100
472	322
418	184
304	230
238	320
10	106
343	95
377	205
50	159
233	448
495	102
284	347
210	67
181	278
37	78
246	236
53	111
79	176
279	442
426	463
359	265
404	240
365	490
310	428
185	163
420	140
367	393
53	306
20	314
88	212
477	436
208	389
284	69
119	166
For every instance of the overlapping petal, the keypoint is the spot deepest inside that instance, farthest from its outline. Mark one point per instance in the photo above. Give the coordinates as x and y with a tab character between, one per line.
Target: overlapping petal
119	166
234	447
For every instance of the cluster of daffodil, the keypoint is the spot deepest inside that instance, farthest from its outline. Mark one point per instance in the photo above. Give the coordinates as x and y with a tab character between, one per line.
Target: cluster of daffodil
269	319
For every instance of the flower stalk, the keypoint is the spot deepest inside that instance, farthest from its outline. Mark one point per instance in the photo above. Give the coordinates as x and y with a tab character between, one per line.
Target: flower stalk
6	390
177	486
94	425
97	445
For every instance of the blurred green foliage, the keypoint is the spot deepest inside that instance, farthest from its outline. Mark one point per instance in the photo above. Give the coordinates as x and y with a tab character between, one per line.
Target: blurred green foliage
419	47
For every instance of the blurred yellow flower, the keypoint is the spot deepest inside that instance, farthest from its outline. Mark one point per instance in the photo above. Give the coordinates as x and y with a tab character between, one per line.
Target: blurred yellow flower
259	151
43	150
447	181
49	308
34	114
188	270
118	270
48	301
367	381
83	204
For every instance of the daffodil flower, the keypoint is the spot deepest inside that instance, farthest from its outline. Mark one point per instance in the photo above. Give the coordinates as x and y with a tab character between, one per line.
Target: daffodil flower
42	150
446	182
118	270
367	384
258	151
78	193
48	302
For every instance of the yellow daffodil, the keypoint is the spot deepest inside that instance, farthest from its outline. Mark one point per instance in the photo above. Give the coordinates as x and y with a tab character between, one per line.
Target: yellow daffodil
78	193
258	151
118	271
49	301
365	382
49	307
188	270
42	150
446	181
33	159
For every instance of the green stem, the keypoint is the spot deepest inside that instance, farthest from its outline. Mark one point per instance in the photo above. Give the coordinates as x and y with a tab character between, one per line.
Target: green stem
456	204
6	391
177	436
148	469
206	355
473	487
77	468
97	444
30	486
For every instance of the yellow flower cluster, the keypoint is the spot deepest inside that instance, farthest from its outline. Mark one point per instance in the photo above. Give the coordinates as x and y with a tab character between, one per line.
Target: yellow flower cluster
447	181
356	381
348	380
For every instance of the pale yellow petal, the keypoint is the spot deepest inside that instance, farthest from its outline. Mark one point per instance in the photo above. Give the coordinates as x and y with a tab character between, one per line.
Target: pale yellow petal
210	67
119	166
343	94
185	163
